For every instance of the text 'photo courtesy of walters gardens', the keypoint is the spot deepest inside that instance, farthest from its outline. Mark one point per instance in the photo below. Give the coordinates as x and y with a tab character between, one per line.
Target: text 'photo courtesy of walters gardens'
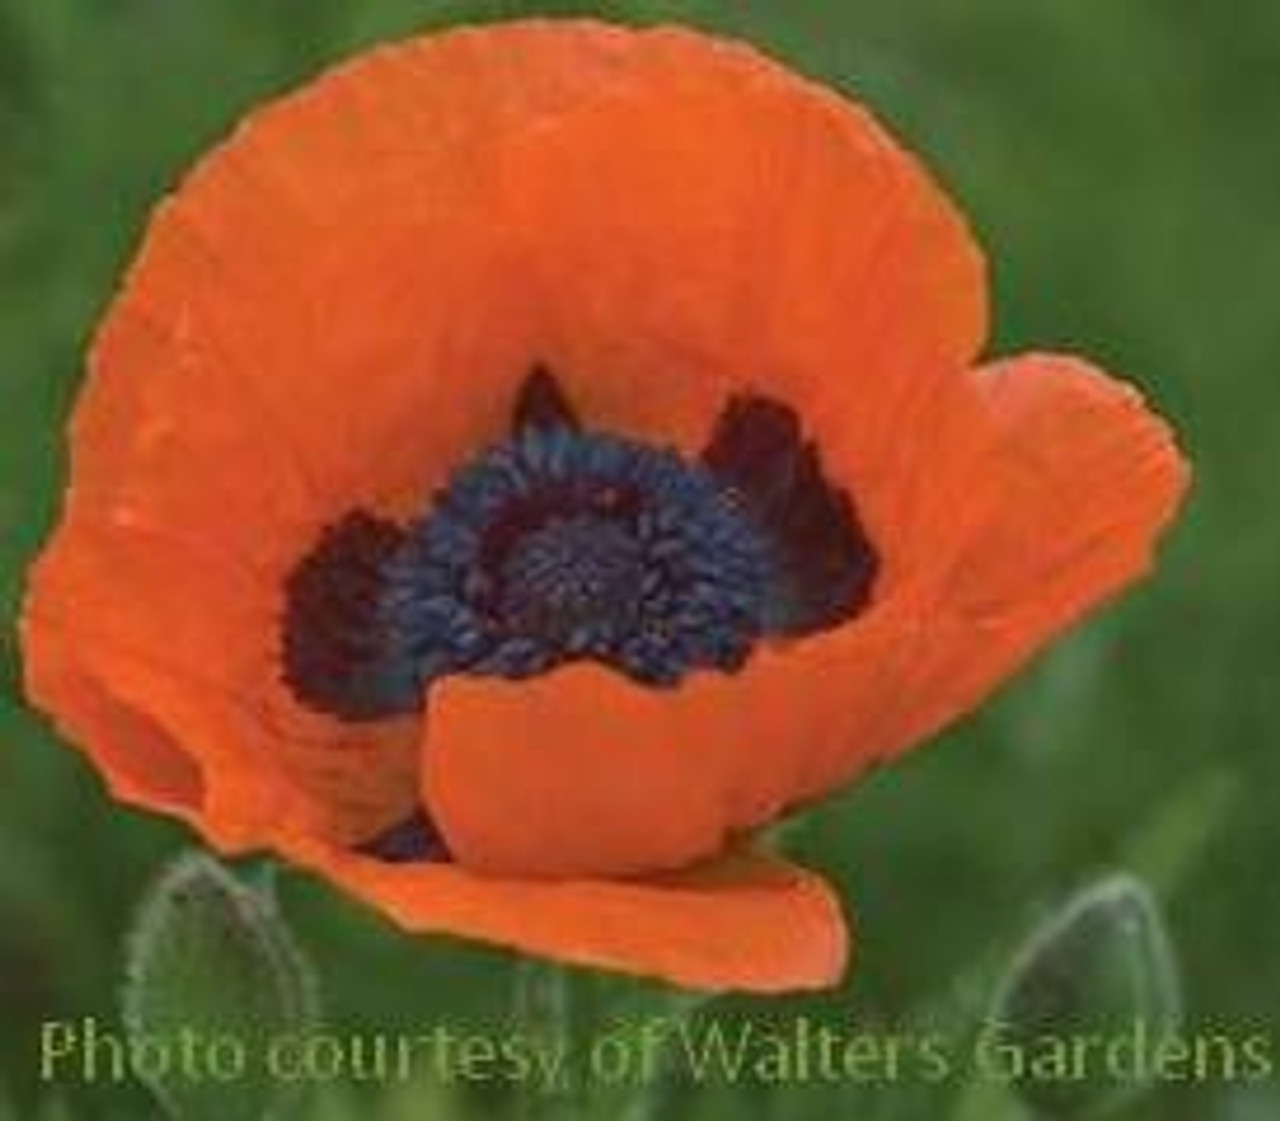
801	1052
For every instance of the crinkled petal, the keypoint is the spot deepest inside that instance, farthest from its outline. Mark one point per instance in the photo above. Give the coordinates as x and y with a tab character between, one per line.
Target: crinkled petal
1090	478
158	659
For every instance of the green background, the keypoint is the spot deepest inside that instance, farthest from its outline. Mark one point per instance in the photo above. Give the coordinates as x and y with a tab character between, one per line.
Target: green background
1120	161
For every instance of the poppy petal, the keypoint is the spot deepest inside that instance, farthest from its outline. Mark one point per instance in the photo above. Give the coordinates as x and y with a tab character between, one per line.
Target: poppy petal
745	921
1091	477
1085	479
525	778
142	763
204	684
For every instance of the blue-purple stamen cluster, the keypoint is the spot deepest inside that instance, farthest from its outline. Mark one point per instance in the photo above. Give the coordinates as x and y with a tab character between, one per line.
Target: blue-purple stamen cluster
562	544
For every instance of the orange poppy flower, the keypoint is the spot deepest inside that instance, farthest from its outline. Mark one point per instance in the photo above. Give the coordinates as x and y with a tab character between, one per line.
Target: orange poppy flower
527	461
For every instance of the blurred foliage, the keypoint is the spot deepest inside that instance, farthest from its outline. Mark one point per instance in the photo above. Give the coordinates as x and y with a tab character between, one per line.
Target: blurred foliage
1120	162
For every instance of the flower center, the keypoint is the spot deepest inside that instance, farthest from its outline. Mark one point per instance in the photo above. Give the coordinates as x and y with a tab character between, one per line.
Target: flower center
561	544
576	581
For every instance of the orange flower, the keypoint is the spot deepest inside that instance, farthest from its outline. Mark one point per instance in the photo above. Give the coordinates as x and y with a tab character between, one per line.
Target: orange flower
529	460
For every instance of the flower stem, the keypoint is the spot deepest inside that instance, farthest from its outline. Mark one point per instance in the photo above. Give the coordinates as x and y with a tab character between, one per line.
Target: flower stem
542	1015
